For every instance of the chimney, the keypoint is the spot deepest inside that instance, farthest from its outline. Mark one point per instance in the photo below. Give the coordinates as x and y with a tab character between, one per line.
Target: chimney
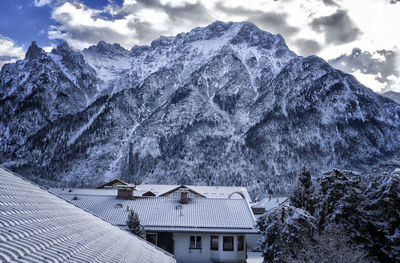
184	197
125	192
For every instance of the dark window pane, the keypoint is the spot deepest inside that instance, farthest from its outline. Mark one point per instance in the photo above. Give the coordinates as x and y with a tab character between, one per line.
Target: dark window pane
192	242
152	238
240	244
228	243
198	242
214	242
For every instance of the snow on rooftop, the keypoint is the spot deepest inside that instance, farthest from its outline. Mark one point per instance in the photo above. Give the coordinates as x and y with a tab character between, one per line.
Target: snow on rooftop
165	213
270	202
36	226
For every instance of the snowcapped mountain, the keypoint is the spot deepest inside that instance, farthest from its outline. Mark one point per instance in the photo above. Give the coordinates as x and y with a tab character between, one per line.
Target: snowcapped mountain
224	104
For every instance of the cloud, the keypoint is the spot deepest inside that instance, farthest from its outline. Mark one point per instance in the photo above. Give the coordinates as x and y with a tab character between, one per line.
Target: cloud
380	66
40	3
131	23
307	46
81	26
338	27
9	51
330	2
271	21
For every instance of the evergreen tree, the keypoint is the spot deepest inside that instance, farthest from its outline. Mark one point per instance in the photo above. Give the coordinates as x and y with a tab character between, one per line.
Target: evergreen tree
339	197
303	193
354	214
134	225
284	230
381	220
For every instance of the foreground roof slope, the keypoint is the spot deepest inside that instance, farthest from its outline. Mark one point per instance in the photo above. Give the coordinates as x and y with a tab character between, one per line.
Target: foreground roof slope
37	226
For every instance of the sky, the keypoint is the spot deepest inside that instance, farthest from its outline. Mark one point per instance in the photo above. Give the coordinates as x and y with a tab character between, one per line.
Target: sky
356	36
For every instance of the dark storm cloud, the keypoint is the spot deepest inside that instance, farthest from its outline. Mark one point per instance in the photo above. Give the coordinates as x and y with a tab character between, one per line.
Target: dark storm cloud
307	46
338	28
145	32
365	63
270	21
195	14
330	2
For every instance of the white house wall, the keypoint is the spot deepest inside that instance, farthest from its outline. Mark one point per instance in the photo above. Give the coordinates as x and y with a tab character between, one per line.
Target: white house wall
184	254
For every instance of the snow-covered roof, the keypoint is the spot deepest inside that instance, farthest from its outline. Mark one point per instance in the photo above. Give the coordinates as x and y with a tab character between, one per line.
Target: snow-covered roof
37	226
269	203
167	214
111	183
159	189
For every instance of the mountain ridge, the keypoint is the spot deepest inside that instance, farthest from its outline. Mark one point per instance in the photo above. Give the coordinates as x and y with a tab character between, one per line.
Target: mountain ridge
224	104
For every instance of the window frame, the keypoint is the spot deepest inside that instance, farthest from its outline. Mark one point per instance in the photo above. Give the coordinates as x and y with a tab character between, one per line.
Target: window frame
212	248
197	242
231	242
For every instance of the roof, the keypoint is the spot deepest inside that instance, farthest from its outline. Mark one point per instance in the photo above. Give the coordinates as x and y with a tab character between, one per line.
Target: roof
269	203
207	191
37	226
159	189
179	188
167	214
111	183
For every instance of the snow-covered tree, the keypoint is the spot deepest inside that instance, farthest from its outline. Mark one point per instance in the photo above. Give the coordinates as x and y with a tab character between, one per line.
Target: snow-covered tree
134	225
381	220
355	214
331	246
284	229
339	198
303	193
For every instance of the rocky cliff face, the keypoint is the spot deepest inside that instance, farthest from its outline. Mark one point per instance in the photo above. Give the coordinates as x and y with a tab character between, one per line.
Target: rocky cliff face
225	104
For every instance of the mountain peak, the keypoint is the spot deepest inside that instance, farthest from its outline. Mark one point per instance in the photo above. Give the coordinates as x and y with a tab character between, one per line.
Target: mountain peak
105	48
63	46
34	51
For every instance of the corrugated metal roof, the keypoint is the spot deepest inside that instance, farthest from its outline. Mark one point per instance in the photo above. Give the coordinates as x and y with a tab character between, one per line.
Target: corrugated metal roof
200	215
36	226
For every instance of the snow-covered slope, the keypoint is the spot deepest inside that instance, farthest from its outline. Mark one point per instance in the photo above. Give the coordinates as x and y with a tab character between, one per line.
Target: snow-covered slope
224	104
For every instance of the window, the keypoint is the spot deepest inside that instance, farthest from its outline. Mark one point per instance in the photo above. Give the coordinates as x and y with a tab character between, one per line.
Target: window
228	243
240	243
152	238
214	242
195	242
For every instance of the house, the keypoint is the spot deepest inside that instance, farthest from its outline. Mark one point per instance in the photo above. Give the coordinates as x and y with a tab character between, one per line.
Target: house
37	226
181	220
